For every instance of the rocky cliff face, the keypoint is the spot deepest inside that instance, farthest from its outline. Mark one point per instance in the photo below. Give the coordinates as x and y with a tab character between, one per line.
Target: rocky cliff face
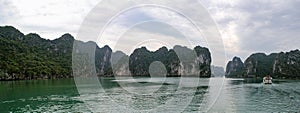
278	65
234	68
203	60
287	65
259	65
31	57
103	61
120	65
178	61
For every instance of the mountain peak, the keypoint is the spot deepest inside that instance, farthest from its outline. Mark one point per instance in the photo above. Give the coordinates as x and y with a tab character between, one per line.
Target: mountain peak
10	32
33	35
162	49
234	68
106	46
67	36
11	28
235	58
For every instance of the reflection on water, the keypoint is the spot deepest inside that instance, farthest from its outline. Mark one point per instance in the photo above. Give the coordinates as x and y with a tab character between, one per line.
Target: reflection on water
151	95
40	96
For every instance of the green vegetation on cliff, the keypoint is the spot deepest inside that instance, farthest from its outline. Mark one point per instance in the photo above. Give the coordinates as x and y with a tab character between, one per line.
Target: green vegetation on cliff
32	57
278	65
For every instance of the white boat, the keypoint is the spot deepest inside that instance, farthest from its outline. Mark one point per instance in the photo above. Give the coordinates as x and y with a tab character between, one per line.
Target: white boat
267	80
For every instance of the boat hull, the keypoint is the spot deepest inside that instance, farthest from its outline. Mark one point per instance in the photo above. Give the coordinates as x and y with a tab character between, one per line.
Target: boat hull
267	81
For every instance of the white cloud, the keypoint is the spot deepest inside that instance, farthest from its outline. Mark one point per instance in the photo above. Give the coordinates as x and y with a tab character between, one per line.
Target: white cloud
49	18
8	12
249	26
152	27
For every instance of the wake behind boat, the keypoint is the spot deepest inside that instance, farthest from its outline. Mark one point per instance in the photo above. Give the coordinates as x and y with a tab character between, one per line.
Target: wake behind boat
267	80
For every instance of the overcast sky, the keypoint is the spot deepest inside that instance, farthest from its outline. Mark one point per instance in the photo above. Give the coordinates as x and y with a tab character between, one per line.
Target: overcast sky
246	26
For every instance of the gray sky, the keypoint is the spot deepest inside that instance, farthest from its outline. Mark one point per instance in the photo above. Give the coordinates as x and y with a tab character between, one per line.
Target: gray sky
246	26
